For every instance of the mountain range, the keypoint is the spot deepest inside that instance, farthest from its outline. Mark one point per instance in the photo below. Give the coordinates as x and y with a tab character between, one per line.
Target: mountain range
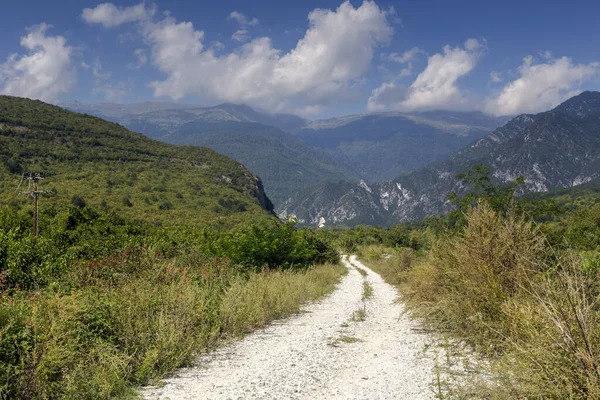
294	155
559	148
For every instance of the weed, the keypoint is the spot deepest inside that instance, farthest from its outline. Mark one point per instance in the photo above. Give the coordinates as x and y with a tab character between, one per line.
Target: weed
359	315
497	286
360	270
367	291
349	339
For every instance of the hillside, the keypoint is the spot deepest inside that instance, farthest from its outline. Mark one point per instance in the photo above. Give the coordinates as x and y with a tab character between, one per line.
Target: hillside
92	161
292	154
286	164
559	148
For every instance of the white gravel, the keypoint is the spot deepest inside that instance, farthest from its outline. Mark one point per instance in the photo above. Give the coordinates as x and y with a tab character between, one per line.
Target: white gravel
302	357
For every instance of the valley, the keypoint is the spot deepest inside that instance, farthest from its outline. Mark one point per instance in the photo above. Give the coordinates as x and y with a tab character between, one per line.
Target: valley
293	155
351	199
555	149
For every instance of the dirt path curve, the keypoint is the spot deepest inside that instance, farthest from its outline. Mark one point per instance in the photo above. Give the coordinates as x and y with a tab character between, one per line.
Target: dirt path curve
328	352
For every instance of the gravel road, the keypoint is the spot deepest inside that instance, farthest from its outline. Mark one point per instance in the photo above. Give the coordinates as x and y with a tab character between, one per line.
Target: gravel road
328	352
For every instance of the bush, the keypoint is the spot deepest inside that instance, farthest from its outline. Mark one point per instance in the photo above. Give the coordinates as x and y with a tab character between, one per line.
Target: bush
78	201
476	271
275	246
496	285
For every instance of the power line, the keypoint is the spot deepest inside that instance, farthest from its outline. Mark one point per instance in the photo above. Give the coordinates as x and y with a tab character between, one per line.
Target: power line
34	177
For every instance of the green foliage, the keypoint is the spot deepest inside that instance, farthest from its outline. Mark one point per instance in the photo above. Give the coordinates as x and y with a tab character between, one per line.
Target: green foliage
415	235
77	201
275	245
99	303
482	188
496	284
89	161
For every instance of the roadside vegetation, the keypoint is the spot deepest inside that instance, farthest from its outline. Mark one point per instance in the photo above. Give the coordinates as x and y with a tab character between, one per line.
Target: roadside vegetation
516	280
99	304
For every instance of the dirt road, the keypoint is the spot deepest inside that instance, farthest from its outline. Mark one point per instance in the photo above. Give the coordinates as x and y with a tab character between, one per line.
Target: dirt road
344	347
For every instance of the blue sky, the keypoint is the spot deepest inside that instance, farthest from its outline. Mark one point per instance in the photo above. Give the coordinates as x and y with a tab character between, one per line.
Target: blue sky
315	58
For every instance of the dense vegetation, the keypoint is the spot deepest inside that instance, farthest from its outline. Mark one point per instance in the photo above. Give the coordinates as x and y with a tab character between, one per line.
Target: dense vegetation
516	279
148	255
89	161
100	303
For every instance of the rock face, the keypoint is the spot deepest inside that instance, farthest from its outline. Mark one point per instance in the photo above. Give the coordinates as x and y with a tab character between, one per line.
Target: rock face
559	148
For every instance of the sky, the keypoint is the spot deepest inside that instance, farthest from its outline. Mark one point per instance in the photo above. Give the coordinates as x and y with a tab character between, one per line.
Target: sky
317	59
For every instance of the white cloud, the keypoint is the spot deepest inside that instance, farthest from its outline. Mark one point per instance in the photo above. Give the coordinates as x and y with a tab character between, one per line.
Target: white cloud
97	71
385	96
242	19
406	56
111	91
142	57
336	50
496	77
472	44
404	72
217	46
546	54
541	86
434	88
44	73
241	35
110	15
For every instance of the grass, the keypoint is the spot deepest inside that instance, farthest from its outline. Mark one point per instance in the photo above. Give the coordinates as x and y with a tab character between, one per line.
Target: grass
367	291
343	339
108	327
530	311
359	315
360	270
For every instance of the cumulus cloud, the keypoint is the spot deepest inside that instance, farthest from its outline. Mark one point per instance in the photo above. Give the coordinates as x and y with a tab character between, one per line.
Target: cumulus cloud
335	51
44	73
434	88
110	15
242	19
496	77
241	35
540	86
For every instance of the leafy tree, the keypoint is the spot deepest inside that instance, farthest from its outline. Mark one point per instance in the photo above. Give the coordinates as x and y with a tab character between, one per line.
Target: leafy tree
482	188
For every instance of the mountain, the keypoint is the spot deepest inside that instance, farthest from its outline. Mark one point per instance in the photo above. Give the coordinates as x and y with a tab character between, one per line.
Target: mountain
383	145
292	154
285	163
164	116
559	148
89	160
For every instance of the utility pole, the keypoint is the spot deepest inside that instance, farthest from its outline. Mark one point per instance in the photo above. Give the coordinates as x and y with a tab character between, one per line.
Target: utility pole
35	193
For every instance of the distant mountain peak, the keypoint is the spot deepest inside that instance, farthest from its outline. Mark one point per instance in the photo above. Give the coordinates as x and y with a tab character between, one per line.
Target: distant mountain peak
582	105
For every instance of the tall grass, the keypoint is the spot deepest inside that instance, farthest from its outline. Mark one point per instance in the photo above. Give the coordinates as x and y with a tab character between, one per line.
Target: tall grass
127	320
499	287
